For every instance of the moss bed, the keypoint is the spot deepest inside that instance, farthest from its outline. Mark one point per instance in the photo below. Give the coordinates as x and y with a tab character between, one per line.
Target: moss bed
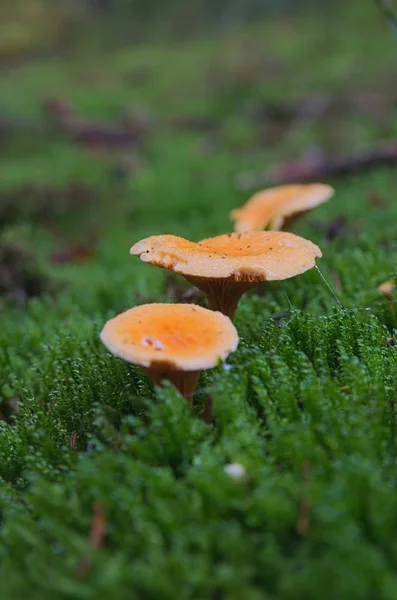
110	489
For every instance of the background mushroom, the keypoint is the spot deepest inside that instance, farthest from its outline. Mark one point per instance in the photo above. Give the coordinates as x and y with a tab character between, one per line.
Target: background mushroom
276	208
171	341
226	266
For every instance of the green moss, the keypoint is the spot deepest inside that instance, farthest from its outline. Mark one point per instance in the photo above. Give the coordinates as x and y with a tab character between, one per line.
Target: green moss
307	404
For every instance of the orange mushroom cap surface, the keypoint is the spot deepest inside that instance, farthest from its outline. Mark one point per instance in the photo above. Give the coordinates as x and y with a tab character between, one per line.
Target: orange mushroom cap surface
251	256
275	206
182	337
387	288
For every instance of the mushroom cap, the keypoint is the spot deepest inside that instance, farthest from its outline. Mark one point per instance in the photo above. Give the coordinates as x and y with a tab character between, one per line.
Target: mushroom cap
182	337
387	288
273	206
251	256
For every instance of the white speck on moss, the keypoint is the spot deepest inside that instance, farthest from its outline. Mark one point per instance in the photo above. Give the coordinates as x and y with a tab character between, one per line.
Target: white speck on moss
235	471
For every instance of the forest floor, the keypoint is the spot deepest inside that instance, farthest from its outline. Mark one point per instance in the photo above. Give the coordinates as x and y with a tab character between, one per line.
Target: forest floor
110	488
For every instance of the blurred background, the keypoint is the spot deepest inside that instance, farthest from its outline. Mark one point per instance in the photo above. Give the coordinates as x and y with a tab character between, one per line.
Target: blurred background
105	104
34	25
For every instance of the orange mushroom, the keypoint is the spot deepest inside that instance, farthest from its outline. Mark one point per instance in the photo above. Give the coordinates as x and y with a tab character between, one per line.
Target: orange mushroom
171	341
226	266
276	208
387	289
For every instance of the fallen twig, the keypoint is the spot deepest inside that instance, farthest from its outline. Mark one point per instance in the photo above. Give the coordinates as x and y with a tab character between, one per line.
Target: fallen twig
73	441
96	136
73	254
96	538
207	415
319	167
304	509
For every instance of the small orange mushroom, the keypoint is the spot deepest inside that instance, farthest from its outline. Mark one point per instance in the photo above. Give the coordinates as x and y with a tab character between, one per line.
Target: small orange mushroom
171	341
276	208
387	289
226	266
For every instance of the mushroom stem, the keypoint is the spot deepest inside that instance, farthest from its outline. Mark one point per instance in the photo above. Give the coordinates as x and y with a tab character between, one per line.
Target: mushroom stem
223	294
208	409
289	220
184	381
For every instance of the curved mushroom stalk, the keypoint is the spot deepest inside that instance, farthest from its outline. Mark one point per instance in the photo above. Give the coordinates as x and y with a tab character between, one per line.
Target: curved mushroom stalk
223	294
184	381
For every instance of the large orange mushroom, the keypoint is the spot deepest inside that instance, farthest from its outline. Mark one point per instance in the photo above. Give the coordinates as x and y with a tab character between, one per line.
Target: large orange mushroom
276	208
226	266
171	341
